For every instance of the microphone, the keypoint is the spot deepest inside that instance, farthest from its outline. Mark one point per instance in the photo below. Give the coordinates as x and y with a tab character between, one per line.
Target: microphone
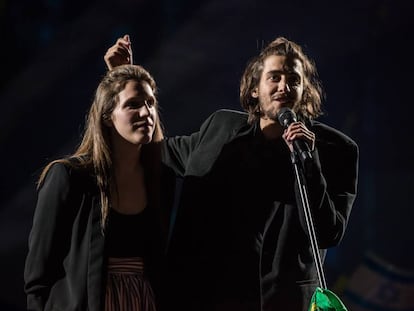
286	117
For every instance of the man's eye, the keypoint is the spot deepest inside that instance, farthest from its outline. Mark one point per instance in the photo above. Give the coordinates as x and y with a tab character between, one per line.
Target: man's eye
275	78
294	80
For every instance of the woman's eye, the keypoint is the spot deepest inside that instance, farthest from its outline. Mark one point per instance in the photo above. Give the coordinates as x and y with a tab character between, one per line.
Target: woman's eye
150	103
137	104
133	105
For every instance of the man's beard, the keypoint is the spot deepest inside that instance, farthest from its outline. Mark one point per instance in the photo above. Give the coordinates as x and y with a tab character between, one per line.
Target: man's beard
270	113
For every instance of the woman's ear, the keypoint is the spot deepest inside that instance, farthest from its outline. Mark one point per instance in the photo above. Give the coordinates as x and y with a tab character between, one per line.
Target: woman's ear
255	93
107	120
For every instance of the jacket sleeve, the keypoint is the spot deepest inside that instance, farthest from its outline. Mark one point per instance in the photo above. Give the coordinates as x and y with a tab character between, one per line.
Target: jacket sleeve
48	237
177	151
332	188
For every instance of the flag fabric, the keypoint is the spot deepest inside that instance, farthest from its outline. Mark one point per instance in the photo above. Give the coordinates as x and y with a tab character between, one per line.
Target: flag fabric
326	300
377	285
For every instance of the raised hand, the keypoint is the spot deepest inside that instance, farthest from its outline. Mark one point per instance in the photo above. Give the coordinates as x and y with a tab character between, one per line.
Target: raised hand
120	53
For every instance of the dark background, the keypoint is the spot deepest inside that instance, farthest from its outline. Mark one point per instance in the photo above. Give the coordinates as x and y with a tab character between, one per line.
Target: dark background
52	59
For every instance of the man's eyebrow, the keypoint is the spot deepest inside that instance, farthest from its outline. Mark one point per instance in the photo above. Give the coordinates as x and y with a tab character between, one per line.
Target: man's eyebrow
290	72
275	71
271	72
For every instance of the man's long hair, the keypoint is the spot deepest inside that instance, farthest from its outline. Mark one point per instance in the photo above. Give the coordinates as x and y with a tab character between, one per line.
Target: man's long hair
310	105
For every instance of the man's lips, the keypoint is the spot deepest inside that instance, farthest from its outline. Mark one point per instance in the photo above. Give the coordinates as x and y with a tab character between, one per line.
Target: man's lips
282	99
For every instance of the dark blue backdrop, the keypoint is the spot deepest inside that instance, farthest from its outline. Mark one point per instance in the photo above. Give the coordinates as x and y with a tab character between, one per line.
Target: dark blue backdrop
52	59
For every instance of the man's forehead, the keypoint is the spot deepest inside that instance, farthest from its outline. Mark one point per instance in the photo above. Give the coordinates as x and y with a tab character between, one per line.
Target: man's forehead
282	63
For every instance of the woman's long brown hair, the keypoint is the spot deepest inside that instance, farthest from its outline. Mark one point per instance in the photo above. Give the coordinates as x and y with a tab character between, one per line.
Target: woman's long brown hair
94	152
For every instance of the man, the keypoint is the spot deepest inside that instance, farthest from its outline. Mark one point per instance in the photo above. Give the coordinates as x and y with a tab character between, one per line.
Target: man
240	240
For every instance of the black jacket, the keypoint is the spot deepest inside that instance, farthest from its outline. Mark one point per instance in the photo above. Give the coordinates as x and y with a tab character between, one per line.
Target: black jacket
240	239
65	264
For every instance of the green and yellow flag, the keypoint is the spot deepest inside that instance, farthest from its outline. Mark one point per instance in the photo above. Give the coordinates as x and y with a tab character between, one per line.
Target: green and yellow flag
325	300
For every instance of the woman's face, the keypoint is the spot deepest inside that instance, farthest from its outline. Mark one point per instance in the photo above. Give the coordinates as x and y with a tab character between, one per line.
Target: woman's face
134	117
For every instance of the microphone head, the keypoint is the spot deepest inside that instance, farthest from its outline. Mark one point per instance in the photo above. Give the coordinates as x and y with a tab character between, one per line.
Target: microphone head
286	116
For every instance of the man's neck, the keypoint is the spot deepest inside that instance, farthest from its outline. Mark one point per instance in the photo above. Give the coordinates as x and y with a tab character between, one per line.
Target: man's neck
271	129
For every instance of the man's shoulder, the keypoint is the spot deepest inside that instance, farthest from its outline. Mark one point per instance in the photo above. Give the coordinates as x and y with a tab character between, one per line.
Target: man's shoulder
229	114
328	134
224	123
228	119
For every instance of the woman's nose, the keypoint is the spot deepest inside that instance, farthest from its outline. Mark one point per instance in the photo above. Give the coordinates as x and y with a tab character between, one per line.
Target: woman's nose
145	109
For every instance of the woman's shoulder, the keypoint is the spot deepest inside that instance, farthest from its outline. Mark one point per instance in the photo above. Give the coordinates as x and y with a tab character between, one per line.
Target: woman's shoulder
69	170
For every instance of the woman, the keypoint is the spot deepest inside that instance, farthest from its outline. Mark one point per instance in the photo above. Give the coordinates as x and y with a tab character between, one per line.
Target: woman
98	233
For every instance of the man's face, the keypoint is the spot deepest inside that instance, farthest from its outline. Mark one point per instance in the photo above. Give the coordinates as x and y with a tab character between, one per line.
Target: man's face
281	85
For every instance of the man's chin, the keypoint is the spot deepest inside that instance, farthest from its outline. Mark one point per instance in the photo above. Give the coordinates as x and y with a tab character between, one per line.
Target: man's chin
272	115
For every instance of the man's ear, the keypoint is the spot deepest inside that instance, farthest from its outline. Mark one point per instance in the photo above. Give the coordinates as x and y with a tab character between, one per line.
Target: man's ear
255	93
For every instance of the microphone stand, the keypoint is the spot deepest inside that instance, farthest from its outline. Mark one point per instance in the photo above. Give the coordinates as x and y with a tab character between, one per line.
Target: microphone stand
299	172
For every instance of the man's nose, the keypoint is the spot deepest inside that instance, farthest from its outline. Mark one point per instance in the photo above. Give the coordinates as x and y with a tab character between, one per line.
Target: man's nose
283	84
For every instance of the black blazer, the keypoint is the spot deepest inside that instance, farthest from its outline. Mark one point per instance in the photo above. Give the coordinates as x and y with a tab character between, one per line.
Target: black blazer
64	264
202	238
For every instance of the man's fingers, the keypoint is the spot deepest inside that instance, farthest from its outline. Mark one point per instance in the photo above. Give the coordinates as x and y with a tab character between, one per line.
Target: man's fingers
120	53
125	43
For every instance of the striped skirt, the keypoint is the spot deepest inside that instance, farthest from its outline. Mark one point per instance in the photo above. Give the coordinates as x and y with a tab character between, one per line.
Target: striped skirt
127	288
